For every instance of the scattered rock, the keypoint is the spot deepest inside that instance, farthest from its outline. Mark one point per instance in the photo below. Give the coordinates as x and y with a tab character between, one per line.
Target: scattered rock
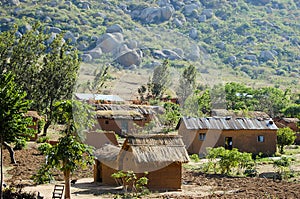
109	41
114	28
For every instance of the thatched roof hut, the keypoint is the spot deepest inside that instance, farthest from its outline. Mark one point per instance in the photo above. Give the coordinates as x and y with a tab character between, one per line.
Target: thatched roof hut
160	155
108	155
148	152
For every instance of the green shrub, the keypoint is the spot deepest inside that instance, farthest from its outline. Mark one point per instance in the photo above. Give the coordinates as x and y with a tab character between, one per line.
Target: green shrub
20	144
195	157
43	139
43	148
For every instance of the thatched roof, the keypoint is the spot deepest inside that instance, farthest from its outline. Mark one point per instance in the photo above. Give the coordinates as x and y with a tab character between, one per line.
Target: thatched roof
142	109
156	148
108	155
248	114
119	114
33	114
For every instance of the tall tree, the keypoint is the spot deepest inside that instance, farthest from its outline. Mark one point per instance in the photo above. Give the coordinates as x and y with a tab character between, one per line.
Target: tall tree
99	81
187	83
239	96
272	100
70	153
45	68
13	105
160	80
57	77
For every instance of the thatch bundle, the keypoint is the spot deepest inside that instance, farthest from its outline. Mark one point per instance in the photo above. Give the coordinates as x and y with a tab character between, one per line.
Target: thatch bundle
108	155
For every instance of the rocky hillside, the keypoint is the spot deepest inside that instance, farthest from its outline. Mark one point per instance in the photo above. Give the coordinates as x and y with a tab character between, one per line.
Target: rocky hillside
257	39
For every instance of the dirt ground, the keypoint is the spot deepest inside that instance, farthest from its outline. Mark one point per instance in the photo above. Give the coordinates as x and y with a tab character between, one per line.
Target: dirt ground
195	184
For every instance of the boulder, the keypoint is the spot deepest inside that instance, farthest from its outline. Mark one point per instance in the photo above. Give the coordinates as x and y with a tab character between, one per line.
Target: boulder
96	53
193	33
129	58
158	54
177	22
250	57
69	36
132	44
267	55
86	58
167	13
231	59
53	30
188	9
114	28
208	13
179	51
151	15
171	55
194	53
109	41
202	18
162	3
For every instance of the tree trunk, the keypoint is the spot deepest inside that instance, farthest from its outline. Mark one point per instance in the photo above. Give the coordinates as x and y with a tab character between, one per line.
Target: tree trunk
1	183
67	184
11	153
46	126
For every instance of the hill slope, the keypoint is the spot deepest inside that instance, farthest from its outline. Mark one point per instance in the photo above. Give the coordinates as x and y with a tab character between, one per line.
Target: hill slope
228	40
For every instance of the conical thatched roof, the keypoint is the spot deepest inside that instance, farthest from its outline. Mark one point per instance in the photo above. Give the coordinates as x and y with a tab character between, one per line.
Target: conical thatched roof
108	155
156	148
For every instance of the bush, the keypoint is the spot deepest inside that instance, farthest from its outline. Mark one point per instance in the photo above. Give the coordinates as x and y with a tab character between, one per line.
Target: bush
12	193
20	144
195	157
43	148
42	139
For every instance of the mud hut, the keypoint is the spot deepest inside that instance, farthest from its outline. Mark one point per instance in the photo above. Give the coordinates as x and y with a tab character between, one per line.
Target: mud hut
246	134
161	156
99	139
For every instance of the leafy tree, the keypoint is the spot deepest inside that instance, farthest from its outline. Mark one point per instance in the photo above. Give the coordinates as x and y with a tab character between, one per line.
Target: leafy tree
229	159
239	96
292	111
171	116
285	137
70	153
13	124
272	100
22	56
46	69
187	82
57	78
160	80
98	83
198	104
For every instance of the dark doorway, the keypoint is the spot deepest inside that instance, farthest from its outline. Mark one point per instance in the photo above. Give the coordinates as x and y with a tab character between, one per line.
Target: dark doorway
228	143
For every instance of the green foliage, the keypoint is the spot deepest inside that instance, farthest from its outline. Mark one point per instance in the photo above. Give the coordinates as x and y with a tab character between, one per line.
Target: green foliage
195	157
13	106
44	148
160	80
129	180
171	116
282	166
224	161
13	193
285	137
292	111
197	104
187	83
20	144
43	139
99	81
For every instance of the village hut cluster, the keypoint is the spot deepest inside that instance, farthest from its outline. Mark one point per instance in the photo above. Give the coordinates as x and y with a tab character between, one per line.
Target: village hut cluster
162	155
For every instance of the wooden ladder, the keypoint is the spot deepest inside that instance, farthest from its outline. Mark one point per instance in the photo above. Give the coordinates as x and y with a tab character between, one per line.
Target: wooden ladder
58	191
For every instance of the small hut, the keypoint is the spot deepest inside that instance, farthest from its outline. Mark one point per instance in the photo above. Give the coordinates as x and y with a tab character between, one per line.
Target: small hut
99	139
159	155
106	164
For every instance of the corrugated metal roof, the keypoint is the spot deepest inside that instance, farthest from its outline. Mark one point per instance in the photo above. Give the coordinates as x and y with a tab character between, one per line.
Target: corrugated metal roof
88	96
228	123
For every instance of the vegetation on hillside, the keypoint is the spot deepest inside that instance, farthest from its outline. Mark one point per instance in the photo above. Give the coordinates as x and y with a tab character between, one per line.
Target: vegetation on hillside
249	38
